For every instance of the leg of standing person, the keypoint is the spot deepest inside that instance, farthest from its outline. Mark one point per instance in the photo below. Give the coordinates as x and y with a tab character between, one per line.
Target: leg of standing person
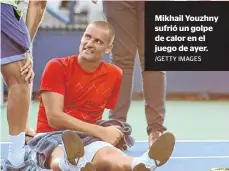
23	6
129	37
154	86
15	36
122	16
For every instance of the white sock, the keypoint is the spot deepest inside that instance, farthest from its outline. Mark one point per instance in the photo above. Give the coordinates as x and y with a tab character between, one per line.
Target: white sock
62	165
16	149
149	163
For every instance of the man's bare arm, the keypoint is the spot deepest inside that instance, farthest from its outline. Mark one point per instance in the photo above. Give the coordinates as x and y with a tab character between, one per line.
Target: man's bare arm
54	104
34	16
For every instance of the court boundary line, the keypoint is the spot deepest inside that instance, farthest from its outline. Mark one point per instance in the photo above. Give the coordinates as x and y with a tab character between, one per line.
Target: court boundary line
178	157
200	157
191	141
177	141
188	157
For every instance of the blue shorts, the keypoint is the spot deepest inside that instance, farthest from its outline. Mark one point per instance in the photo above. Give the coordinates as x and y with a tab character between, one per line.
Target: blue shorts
15	38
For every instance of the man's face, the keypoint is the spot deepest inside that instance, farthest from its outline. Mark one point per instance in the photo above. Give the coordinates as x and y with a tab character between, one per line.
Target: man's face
94	43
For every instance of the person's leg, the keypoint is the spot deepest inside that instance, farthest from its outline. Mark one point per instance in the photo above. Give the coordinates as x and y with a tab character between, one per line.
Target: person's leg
154	85
102	156
122	16
17	110
112	159
15	38
29	133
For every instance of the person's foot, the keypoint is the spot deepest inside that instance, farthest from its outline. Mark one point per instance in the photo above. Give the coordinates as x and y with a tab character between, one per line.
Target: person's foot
27	165
158	154
74	153
153	136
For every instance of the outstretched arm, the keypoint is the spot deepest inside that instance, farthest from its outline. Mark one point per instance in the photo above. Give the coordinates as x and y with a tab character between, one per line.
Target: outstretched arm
34	16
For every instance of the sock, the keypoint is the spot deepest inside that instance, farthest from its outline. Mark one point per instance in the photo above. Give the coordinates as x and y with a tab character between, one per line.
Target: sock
16	149
62	165
149	163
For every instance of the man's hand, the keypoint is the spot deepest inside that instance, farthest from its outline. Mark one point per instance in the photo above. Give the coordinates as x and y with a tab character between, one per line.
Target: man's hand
111	135
29	134
27	69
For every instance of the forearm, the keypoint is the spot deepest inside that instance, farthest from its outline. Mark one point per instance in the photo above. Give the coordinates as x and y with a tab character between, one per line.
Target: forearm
34	16
62	121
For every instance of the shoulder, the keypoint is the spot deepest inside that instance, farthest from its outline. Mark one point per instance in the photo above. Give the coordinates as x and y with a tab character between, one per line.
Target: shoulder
60	62
113	69
57	66
113	72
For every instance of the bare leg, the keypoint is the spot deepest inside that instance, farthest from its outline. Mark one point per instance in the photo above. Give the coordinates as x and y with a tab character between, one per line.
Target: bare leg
30	133
112	159
18	97
56	157
17	110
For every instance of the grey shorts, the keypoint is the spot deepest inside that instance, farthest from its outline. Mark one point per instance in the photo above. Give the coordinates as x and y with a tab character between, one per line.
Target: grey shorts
15	38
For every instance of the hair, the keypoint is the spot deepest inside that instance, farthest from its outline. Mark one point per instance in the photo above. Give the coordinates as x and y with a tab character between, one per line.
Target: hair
108	26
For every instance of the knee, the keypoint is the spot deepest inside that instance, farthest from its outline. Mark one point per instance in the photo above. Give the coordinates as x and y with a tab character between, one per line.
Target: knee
124	58
110	164
116	166
17	80
19	91
124	62
12	74
110	160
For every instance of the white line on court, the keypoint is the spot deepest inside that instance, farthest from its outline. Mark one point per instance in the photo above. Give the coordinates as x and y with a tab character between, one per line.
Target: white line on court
182	141
202	157
171	158
192	141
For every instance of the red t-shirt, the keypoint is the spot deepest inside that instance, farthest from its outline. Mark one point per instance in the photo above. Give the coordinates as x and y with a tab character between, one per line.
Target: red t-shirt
86	95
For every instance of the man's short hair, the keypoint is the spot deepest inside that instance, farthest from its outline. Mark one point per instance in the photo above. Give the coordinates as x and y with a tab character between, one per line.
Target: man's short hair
108	26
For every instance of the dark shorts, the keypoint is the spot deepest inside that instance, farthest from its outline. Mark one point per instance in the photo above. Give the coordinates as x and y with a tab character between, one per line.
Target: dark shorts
15	36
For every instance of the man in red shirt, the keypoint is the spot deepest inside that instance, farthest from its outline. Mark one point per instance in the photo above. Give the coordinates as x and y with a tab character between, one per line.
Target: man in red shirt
75	91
